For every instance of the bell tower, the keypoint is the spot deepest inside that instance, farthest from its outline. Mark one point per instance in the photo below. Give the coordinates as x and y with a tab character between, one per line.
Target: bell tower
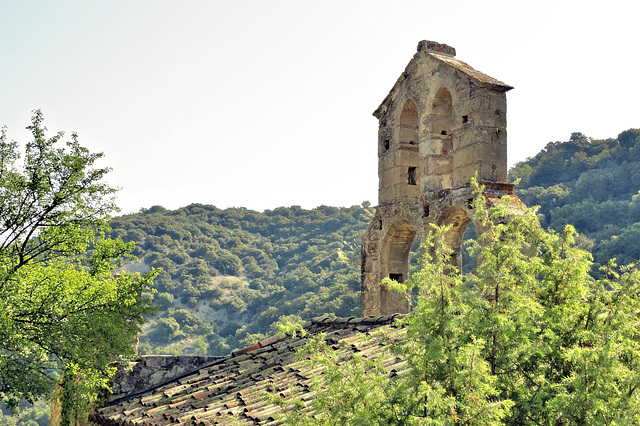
441	123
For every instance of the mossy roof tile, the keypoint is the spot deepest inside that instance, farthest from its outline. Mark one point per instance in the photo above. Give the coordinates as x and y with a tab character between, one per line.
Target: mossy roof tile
238	386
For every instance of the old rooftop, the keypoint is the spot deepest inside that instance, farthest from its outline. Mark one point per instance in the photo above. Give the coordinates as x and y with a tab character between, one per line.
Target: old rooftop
446	54
235	389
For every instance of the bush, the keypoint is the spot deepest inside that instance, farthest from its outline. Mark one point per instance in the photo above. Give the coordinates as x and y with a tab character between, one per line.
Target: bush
165	331
163	300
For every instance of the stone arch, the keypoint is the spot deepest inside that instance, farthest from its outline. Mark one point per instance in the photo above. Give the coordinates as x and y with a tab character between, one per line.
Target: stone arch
441	121
409	123
407	155
438	150
458	219
394	257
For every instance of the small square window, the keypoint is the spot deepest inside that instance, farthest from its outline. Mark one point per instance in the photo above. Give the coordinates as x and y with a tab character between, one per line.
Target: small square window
465	118
412	176
397	277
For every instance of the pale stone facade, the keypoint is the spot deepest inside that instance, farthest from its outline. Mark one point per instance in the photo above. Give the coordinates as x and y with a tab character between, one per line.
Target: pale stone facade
441	123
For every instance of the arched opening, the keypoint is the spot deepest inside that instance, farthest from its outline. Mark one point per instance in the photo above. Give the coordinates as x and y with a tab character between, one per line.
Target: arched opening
406	160
442	111
458	219
409	123
415	256
396	260
439	165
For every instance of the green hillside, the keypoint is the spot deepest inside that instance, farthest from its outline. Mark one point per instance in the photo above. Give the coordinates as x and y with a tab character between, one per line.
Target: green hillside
591	184
229	274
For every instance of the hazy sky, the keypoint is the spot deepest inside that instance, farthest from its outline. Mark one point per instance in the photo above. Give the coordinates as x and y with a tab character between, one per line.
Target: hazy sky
262	104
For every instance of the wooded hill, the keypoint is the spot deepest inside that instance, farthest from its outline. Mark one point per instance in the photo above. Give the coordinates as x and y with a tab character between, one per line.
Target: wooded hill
591	184
229	275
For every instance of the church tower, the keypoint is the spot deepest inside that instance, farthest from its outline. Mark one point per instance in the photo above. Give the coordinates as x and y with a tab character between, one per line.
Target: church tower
442	122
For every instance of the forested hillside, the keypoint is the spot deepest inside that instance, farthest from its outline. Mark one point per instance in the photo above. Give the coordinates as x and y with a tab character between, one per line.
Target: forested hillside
591	184
228	275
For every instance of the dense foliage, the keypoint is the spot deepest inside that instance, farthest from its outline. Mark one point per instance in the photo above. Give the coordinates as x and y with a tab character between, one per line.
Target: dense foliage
529	338
229	275
37	414
593	185
62	310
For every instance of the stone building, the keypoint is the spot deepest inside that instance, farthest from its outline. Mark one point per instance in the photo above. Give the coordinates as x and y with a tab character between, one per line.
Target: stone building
442	122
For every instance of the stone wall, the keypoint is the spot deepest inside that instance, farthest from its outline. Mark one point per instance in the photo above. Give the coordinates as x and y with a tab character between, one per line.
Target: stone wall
152	371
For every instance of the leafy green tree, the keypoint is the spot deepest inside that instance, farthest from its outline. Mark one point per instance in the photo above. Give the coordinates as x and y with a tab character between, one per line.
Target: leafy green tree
62	307
588	183
166	330
37	414
163	300
529	338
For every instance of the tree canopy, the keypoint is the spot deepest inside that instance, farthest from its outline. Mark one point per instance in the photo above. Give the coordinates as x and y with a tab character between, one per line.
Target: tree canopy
528	338
591	184
238	271
63	309
229	274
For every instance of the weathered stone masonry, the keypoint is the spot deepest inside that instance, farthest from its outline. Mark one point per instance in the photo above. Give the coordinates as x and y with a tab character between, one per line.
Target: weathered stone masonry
442	122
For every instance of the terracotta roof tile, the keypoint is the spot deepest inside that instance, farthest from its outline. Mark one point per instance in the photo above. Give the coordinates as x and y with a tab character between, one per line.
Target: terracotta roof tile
238	385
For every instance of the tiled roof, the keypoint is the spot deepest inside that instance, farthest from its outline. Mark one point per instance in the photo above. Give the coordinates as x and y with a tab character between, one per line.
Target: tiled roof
472	72
482	79
234	389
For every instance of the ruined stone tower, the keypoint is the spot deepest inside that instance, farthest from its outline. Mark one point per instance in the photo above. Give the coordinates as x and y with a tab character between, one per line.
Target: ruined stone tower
442	122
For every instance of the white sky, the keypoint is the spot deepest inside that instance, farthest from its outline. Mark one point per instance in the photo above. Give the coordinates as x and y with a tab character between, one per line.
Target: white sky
263	104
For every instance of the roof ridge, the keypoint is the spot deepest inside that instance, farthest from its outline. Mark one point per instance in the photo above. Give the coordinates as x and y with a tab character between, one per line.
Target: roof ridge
479	76
175	379
373	320
321	320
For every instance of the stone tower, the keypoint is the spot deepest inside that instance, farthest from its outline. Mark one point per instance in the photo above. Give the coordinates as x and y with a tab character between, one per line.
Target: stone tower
442	122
